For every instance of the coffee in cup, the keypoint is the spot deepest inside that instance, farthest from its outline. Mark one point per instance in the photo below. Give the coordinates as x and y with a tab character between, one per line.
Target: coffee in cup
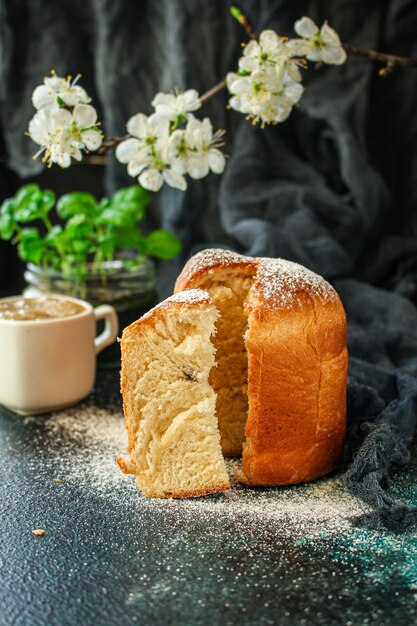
48	348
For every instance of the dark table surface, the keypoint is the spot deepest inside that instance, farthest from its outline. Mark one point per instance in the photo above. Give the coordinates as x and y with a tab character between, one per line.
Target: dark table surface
249	556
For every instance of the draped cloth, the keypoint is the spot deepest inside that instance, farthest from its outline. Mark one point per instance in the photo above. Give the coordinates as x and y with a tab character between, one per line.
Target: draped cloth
333	188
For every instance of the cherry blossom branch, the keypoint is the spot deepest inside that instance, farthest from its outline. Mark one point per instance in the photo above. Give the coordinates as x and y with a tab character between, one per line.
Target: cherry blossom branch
213	91
171	142
112	142
392	61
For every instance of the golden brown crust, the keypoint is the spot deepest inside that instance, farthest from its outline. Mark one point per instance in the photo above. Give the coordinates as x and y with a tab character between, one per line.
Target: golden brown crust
296	343
126	465
206	262
190	494
297	394
188	297
278	283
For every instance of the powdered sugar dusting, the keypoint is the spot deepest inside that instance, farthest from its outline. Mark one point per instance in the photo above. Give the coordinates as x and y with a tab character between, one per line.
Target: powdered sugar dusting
287	556
208	259
188	296
88	439
280	283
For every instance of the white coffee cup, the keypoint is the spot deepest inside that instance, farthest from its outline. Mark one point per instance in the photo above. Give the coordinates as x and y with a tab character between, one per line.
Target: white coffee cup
49	364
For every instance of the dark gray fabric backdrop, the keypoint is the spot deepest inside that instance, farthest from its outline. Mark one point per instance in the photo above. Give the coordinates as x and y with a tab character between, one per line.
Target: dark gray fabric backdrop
333	188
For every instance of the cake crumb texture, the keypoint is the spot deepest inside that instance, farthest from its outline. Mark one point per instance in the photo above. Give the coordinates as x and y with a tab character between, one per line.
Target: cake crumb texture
173	439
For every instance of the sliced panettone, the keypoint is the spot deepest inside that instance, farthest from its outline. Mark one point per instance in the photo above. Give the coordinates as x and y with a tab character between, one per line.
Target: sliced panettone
173	438
283	331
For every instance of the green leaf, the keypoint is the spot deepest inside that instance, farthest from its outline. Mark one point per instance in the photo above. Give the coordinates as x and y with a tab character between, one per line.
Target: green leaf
31	246
55	246
76	203
7	226
90	230
122	214
243	73
104	203
53	234
81	247
26	194
7	219
48	200
28	214
162	245
132	209
132	200
116	217
35	208
31	203
78	227
134	193
125	237
8	207
76	239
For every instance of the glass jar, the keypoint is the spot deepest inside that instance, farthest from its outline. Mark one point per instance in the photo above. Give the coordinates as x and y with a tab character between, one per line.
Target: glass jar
130	291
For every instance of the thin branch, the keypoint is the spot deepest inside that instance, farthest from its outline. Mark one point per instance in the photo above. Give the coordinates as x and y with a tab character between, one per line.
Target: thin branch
213	91
392	61
93	159
243	21
111	143
114	141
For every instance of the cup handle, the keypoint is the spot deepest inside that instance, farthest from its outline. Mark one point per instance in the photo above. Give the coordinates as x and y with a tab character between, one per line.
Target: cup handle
111	326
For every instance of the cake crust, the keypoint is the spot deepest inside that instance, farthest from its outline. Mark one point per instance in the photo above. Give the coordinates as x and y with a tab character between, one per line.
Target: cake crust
297	366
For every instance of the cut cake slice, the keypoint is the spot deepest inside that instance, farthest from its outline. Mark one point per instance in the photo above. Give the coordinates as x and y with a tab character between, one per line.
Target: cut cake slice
170	407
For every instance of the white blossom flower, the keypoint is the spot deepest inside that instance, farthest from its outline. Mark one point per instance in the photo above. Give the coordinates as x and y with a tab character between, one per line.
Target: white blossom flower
157	153
64	124
57	91
298	47
292	71
268	83
252	94
153	178
204	154
324	43
63	135
266	95
195	149
150	138
177	151
145	152
268	51
176	107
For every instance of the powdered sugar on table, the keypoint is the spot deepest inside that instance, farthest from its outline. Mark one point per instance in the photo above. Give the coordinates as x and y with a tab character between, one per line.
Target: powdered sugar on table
287	550
87	440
